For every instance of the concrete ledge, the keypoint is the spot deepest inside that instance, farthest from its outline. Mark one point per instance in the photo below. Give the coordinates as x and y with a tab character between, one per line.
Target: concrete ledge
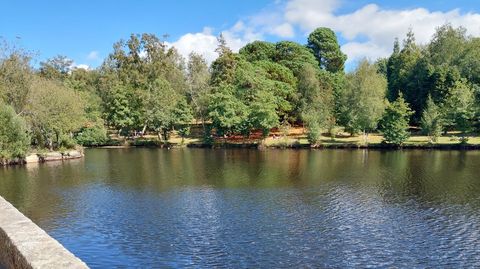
24	245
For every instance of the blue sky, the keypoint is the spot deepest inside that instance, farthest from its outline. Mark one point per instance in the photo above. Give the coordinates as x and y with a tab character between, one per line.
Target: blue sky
86	30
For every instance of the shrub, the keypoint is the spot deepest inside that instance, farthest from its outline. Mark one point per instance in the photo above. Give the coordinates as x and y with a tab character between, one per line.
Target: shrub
394	123
92	136
314	133
14	138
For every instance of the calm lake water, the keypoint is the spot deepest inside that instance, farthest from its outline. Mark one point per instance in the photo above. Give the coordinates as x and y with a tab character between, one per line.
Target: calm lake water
144	208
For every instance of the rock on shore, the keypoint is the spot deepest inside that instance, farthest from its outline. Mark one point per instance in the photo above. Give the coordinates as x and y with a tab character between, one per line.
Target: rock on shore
45	157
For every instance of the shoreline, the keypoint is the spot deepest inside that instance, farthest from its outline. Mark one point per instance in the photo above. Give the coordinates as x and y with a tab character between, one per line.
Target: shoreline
259	146
44	157
56	156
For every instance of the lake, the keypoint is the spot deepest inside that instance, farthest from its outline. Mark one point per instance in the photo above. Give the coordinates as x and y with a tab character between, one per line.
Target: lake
240	208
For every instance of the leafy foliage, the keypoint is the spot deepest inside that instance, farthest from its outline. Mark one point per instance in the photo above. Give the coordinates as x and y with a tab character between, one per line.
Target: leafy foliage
146	86
53	111
14	139
363	102
323	42
394	123
92	136
432	120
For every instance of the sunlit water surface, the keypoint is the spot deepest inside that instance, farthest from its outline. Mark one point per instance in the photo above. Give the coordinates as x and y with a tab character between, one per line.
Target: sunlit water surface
144	208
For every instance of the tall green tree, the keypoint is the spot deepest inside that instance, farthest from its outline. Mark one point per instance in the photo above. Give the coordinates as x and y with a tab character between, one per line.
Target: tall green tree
223	68
447	44
226	112
198	77
323	42
121	110
316	110
294	56
432	120
163	109
258	51
459	108
54	113
263	112
281	82
16	77
183	118
400	66
363	102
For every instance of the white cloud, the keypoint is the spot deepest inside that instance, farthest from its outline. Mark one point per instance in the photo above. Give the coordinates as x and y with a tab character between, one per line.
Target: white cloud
80	66
93	55
376	26
368	31
283	30
205	42
369	50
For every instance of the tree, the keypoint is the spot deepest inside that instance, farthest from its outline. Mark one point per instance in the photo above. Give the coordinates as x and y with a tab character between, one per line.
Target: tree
198	77
447	44
262	112
459	108
469	61
323	42
160	104
57	67
400	66
16	77
223	68
280	81
294	56
14	138
382	65
54	113
363	102
183	117
432	120
130	71
394	123
258	51
226	112
121	110
317	111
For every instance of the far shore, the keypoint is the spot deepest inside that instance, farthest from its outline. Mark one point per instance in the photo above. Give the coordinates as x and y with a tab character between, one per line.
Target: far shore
297	139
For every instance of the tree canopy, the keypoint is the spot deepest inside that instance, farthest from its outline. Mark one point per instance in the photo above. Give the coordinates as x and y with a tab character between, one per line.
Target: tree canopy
145	85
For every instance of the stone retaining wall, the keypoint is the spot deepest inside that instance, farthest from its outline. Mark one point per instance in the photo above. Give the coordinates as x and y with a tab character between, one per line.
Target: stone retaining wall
24	245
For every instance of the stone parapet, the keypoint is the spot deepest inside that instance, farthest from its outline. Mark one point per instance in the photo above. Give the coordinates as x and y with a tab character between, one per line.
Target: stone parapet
25	245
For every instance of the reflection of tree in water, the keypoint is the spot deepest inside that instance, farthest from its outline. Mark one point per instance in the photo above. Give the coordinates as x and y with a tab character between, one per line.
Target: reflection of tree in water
37	189
428	176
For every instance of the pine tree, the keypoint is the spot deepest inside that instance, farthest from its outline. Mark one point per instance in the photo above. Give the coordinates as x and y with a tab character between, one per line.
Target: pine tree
394	123
432	120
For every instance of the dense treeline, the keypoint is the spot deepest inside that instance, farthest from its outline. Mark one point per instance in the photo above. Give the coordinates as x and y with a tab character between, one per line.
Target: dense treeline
144	86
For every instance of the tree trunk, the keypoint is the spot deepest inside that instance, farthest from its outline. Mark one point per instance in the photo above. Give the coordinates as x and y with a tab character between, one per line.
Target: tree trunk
165	136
